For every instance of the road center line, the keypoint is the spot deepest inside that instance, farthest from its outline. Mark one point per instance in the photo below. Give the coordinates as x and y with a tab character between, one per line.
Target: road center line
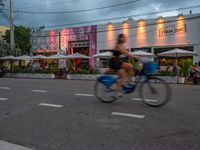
79	94
128	115
139	99
50	105
39	91
5	88
3	99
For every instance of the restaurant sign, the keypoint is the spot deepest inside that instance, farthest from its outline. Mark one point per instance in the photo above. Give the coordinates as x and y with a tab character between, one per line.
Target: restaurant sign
172	30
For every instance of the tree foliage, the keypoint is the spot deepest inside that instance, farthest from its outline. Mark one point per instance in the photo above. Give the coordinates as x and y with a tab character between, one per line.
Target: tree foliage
22	38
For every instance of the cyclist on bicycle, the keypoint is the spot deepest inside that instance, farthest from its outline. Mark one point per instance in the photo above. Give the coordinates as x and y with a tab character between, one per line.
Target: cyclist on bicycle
119	62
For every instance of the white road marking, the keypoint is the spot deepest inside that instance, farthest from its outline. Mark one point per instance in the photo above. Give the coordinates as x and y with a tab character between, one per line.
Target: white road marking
79	94
139	99
39	91
50	105
10	146
5	88
128	115
3	99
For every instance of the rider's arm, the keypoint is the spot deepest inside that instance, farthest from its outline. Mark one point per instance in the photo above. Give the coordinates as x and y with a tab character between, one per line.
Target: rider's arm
125	52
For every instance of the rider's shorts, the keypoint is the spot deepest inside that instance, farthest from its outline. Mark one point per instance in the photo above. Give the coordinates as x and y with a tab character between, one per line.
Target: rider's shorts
115	63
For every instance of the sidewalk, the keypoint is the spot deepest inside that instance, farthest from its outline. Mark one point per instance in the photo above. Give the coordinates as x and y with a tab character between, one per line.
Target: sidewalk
91	77
9	146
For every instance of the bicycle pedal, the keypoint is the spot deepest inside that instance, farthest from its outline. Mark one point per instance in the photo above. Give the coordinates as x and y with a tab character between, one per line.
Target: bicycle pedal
117	96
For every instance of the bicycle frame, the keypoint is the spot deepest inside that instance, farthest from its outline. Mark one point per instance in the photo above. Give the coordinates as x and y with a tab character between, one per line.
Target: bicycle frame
108	81
105	87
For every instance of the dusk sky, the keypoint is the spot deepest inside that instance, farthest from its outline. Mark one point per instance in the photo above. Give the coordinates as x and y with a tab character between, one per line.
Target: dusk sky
138	7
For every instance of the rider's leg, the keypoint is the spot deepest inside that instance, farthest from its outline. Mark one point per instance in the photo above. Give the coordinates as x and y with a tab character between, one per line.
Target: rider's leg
129	68
122	75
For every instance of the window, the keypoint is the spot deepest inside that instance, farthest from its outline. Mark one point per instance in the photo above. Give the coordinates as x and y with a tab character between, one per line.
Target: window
107	50
146	49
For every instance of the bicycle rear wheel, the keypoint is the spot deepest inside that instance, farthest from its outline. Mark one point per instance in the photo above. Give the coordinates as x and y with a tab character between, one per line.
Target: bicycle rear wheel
155	92
104	93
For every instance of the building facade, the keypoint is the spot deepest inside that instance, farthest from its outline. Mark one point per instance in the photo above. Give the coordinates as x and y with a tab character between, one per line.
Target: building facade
66	41
154	35
4	47
3	30
151	35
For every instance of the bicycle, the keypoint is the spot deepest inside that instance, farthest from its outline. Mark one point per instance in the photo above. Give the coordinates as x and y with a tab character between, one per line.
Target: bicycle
149	87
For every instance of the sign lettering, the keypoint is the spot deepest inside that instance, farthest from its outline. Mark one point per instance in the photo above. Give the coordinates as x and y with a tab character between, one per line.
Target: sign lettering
173	30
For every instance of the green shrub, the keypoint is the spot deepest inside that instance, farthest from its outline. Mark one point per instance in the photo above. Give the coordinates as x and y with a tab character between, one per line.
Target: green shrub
82	71
17	70
53	68
185	66
132	61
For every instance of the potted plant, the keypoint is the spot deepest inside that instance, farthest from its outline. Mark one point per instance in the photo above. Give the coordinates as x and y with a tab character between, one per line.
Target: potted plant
185	66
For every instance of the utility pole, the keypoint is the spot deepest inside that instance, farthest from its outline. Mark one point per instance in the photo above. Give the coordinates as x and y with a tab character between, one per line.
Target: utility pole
12	40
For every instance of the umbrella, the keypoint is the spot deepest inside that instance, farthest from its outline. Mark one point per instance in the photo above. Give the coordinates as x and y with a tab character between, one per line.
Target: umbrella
8	58
107	55
37	57
103	55
142	53
177	53
77	56
23	57
57	56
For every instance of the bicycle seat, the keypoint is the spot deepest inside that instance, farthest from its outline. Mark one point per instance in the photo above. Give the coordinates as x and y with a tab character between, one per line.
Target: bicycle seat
110	72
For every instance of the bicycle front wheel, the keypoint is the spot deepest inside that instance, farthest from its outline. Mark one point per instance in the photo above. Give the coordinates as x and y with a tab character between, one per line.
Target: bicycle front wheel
104	93
155	92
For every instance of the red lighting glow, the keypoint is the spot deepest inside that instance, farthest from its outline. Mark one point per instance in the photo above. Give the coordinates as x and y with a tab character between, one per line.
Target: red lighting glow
52	40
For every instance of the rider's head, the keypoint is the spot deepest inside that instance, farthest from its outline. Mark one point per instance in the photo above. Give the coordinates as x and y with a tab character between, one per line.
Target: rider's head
121	39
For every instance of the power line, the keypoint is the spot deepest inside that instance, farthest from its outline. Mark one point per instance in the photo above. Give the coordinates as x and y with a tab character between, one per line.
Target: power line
75	11
122	17
131	27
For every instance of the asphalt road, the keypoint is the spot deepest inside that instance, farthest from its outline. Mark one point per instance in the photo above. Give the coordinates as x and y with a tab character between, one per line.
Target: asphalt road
56	115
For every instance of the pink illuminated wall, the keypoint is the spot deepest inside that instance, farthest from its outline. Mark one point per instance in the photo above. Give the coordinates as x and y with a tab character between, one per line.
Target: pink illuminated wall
80	34
93	44
64	41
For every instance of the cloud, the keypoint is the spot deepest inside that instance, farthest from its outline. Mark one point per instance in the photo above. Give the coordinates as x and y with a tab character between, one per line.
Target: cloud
142	6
